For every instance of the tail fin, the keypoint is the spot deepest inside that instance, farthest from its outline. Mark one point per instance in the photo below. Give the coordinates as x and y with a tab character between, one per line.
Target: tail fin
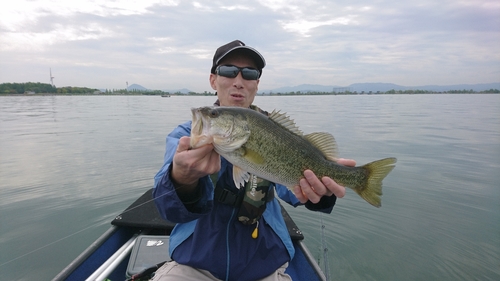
377	171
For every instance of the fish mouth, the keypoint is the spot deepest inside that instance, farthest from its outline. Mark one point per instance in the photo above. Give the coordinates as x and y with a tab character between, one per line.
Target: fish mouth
198	136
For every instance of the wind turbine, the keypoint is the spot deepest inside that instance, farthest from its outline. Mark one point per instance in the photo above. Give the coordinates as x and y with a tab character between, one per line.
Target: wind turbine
51	78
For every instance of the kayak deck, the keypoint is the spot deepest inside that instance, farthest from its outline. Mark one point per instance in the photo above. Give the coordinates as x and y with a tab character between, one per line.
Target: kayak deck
109	255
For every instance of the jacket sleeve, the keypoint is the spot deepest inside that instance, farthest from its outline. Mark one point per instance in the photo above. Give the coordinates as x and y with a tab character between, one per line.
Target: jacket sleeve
325	204
167	202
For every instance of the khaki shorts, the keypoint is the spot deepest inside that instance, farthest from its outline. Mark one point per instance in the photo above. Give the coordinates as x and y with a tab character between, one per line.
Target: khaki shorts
172	271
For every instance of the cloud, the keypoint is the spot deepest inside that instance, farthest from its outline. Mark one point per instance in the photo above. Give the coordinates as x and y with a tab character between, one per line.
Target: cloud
170	44
303	27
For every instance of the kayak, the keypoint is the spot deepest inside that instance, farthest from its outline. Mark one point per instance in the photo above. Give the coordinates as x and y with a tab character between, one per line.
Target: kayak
137	243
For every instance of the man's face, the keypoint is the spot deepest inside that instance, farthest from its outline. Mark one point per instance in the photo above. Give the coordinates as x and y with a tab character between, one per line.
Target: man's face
235	91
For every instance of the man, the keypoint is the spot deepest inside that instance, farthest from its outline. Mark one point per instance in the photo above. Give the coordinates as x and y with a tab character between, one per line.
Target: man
195	189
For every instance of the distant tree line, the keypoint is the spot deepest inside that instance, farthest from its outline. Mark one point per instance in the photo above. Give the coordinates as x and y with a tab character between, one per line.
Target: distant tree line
41	88
493	91
44	88
21	88
135	92
75	90
390	92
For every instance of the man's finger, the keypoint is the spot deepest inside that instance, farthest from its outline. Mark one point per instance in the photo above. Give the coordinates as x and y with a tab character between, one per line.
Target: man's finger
346	162
309	191
297	191
334	187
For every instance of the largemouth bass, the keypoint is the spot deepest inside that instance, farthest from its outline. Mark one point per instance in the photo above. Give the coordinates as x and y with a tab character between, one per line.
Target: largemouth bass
273	148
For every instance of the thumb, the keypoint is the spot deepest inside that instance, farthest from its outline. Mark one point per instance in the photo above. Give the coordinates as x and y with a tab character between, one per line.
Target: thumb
184	144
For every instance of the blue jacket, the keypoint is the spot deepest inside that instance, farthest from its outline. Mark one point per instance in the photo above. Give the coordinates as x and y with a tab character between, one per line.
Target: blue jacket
208	235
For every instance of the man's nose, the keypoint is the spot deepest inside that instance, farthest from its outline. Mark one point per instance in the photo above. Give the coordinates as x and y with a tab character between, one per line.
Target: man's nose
238	80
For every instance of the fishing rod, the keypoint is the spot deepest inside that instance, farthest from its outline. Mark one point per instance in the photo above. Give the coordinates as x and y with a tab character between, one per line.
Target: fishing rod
324	250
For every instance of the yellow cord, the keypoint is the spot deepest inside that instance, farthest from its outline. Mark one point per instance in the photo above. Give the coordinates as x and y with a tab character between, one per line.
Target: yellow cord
255	232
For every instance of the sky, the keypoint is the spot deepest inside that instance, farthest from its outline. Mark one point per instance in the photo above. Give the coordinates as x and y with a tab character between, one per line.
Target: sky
169	44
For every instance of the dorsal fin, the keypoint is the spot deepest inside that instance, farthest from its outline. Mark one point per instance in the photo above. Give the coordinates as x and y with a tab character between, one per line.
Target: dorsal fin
326	143
285	122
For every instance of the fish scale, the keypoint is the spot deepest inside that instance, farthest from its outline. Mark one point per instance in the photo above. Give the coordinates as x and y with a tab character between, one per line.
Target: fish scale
273	148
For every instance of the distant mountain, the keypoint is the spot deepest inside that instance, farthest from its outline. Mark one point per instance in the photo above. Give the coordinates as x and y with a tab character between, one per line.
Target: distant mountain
374	87
136	87
142	88
304	88
356	87
182	91
474	87
382	87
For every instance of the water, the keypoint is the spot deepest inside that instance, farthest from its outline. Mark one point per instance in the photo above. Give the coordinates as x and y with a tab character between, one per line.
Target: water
68	165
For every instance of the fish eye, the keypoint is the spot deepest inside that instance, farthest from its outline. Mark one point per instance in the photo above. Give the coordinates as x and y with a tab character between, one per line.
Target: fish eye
214	113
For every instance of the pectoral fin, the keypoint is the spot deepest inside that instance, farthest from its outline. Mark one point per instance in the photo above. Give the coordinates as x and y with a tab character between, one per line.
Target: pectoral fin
240	176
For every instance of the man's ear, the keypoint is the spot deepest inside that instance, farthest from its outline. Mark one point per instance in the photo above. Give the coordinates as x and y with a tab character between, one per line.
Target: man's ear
212	80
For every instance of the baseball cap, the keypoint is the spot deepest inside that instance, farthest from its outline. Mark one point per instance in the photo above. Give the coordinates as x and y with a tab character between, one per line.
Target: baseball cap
224	50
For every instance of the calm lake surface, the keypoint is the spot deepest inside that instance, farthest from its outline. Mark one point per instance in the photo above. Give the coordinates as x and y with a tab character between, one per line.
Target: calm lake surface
69	165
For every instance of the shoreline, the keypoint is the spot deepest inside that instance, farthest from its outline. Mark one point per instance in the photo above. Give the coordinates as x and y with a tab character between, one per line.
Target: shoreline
274	94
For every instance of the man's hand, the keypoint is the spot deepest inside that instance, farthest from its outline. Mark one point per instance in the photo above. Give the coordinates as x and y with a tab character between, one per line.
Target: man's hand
189	165
311	188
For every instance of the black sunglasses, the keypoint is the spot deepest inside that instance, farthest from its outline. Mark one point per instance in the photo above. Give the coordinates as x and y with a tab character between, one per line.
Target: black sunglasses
231	71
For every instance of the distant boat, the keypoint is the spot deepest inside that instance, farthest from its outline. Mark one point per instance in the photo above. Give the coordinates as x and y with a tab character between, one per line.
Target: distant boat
165	96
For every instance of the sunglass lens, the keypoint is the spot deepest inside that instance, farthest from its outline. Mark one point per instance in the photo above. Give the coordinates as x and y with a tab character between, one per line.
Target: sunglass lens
250	73
228	71
232	71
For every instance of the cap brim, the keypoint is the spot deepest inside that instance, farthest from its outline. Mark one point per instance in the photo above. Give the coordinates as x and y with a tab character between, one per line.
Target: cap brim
258	58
